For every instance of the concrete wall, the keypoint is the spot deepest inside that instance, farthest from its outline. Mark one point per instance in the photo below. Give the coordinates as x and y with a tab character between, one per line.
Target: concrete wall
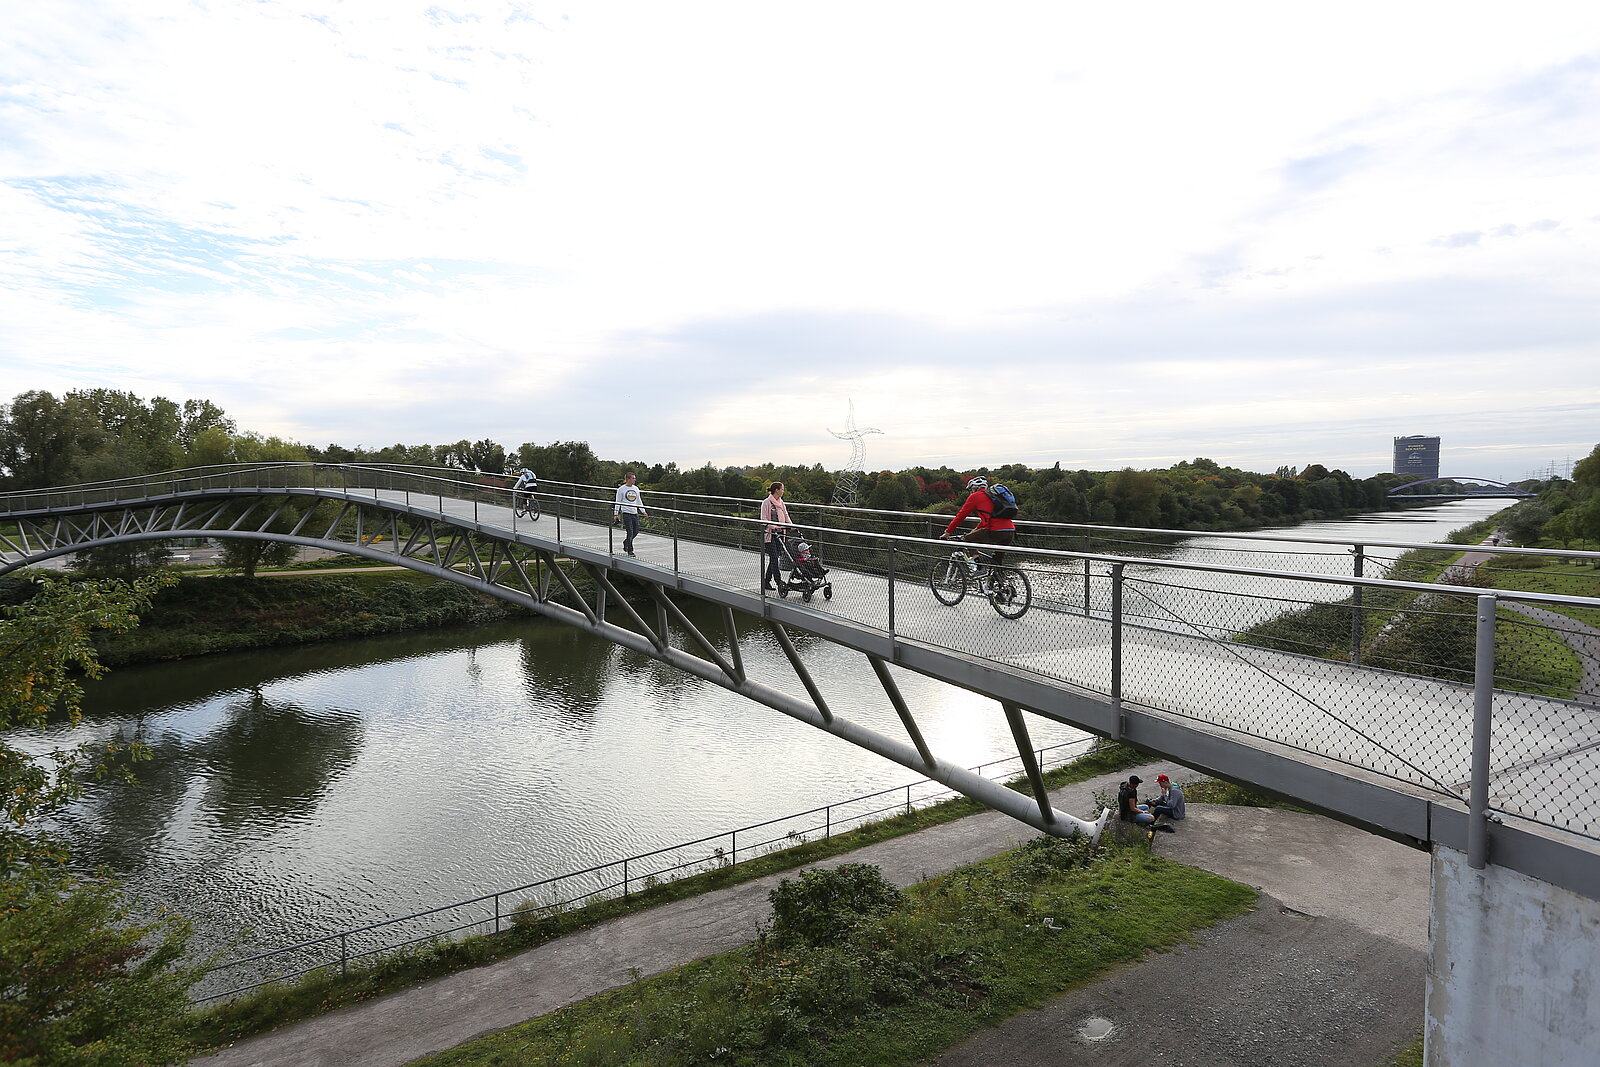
1513	970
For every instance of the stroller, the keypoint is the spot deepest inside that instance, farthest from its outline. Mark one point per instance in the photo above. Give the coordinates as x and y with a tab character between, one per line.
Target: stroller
803	571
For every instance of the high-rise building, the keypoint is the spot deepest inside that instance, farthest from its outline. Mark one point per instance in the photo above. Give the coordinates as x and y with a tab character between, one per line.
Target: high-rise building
1416	456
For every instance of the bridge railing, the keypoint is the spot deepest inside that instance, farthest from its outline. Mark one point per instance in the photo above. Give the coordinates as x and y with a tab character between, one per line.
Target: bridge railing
1262	651
1409	629
587	501
1211	638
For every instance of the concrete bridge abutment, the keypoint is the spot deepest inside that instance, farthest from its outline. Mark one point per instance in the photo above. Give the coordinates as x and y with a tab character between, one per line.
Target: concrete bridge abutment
1513	970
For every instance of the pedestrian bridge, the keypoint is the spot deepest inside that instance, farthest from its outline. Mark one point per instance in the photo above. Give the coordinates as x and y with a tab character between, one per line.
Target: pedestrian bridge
1449	488
1128	638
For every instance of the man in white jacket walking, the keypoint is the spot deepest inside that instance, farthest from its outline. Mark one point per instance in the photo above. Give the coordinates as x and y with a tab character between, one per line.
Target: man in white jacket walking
627	510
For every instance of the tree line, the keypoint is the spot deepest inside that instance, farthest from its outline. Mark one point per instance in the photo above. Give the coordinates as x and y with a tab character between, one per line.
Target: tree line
97	434
1566	512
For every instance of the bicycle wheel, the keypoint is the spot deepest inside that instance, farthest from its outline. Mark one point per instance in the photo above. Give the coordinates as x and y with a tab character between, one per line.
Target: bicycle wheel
948	580
532	510
1010	592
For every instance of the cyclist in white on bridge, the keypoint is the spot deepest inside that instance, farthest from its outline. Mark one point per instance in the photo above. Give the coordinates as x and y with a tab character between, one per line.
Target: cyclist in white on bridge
526	482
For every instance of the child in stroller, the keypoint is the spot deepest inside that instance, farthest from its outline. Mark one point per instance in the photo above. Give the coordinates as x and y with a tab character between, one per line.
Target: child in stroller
805	572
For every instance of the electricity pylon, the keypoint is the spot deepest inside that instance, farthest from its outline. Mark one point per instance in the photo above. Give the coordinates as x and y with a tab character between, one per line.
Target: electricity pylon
846	488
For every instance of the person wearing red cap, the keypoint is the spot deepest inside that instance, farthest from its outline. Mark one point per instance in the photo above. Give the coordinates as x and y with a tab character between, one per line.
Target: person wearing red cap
1169	803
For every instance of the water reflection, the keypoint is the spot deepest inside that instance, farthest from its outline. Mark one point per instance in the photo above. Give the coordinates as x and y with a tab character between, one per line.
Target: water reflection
257	765
296	791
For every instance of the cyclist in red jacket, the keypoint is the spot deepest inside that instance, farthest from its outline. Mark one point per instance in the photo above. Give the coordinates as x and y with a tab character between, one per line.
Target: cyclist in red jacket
990	530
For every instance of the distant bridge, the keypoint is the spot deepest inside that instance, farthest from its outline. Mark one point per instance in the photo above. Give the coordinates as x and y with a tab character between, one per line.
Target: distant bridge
1491	490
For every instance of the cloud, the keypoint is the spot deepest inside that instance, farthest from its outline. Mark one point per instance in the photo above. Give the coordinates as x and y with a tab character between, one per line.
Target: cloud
697	234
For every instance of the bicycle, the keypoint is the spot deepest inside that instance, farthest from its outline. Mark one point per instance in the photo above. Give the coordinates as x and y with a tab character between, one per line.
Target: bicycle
526	505
1006	588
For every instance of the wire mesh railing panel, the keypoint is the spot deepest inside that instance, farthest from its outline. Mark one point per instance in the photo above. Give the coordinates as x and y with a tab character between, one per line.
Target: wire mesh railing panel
1542	762
1409	728
1415	730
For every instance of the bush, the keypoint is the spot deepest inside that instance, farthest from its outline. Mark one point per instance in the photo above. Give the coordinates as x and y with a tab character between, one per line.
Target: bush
821	907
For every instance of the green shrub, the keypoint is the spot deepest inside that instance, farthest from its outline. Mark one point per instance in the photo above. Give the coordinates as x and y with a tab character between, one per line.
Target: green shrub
821	907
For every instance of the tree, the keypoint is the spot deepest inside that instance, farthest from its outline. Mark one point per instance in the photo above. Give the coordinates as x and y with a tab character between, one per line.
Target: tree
254	448
1060	501
1584	520
44	441
122	560
83	982
1587	471
1135	496
44	644
484	456
1526	521
80	982
562	461
200	416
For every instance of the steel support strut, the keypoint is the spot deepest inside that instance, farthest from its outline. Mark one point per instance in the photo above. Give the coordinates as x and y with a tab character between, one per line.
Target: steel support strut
1019	733
1482	732
785	643
893	691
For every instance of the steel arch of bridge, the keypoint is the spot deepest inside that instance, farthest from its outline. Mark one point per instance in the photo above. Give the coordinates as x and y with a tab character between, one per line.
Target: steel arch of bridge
521	568
1510	490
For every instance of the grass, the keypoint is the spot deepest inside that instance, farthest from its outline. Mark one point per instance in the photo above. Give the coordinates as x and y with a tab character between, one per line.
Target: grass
1537	574
324	991
1217	791
963	952
1435	634
1530	658
1408	1055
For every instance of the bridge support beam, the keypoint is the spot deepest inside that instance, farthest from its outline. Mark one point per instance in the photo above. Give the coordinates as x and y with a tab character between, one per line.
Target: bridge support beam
1513	969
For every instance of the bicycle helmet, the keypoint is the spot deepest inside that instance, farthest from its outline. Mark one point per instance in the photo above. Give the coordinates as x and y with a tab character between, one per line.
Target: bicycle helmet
977	483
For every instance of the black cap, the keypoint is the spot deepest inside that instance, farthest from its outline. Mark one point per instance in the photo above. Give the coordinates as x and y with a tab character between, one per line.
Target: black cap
1134	779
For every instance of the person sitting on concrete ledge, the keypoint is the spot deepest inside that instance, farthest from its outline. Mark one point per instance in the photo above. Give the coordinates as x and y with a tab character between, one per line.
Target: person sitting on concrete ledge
1130	810
1169	803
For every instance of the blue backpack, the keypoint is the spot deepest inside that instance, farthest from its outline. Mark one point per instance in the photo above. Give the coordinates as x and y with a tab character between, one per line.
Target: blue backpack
1003	501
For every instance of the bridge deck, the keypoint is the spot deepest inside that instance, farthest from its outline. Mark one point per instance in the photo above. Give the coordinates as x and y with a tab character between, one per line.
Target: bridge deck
1413	729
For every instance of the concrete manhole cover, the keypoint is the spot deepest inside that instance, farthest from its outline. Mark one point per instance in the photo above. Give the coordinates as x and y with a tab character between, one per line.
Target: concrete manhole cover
1095	1028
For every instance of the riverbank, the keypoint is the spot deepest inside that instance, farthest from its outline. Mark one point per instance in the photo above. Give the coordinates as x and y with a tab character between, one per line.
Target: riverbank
205	614
324	991
1337	950
1434	635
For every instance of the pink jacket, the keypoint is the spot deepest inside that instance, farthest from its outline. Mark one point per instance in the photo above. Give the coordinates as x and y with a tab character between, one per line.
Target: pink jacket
775	514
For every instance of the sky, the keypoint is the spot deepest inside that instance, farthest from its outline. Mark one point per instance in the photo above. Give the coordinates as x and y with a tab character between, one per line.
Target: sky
1103	235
